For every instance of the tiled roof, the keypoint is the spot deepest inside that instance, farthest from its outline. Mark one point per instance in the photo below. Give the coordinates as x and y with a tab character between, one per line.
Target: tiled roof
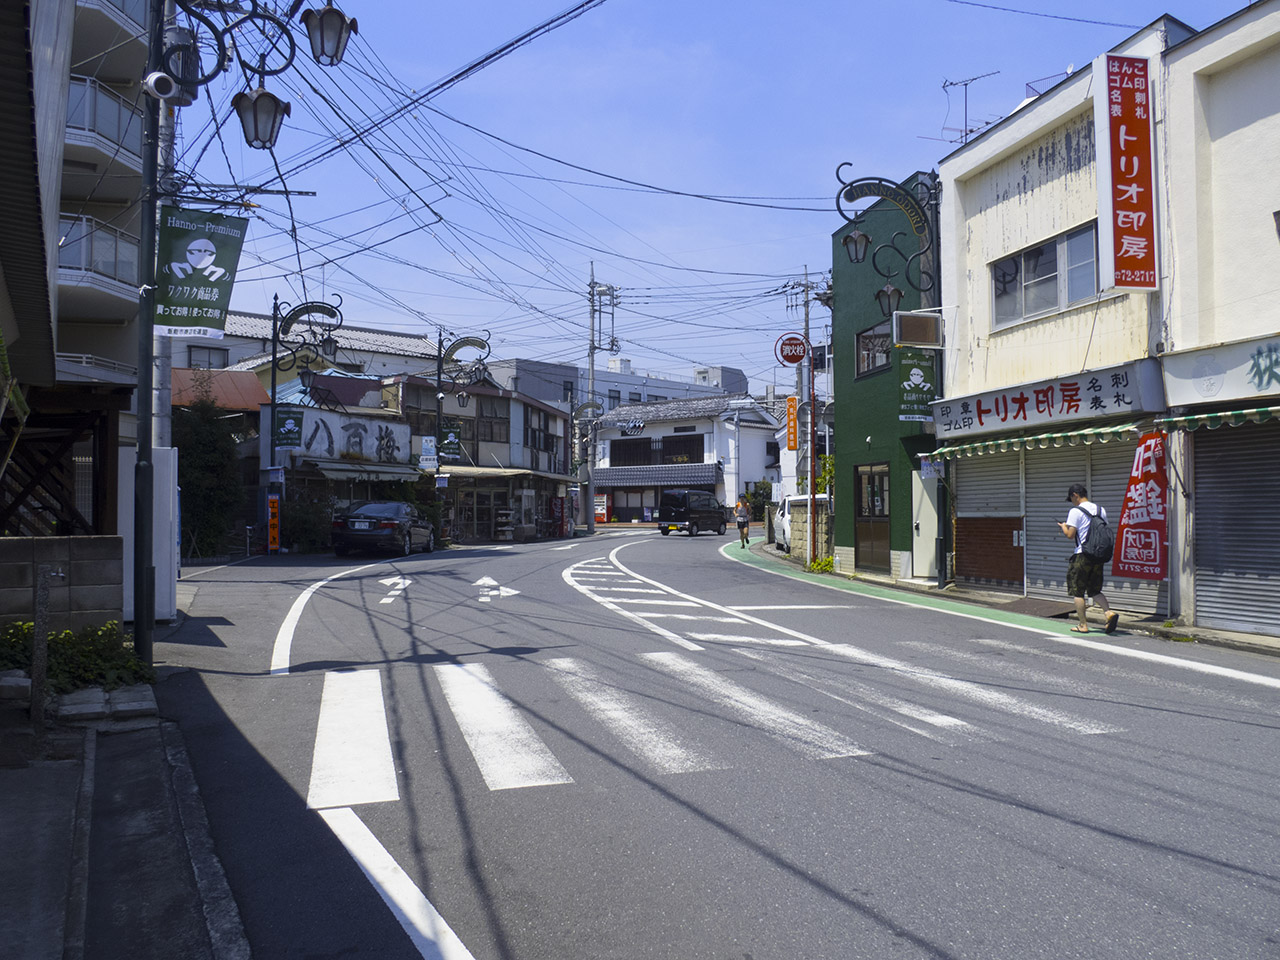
690	408
258	327
658	475
228	389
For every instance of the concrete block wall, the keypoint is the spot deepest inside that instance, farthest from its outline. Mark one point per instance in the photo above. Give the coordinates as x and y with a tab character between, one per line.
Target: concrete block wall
90	593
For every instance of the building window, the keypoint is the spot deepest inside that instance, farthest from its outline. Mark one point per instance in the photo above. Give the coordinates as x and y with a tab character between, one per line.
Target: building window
568	392
615	398
689	429
632	452
634	397
1047	277
682	449
207	358
654	398
874	348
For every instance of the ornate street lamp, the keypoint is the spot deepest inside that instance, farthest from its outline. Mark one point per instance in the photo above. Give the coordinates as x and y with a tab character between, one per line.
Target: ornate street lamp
856	244
329	29
261	115
888	297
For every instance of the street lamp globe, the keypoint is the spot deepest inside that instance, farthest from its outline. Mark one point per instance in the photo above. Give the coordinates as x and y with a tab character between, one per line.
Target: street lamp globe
261	115
855	245
329	29
888	297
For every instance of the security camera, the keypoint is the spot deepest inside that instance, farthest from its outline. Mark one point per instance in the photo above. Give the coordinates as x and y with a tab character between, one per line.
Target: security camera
439	396
160	85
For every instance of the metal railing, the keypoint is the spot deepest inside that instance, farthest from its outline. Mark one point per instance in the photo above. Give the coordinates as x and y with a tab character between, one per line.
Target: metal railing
135	10
94	247
96	108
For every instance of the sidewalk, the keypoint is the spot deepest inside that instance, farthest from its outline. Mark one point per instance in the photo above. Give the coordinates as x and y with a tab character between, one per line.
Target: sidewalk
1051	610
104	847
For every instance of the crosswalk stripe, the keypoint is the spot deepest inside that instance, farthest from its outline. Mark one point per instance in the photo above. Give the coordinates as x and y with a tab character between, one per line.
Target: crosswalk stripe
812	739
614	588
865	695
687	616
351	763
639	730
973	691
506	748
732	638
659	603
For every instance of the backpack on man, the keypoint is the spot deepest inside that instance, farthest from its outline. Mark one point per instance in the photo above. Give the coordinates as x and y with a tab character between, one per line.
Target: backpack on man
1099	543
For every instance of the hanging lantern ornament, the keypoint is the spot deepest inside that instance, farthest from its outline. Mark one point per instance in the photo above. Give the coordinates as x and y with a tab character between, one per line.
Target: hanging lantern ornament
261	114
329	30
855	244
888	298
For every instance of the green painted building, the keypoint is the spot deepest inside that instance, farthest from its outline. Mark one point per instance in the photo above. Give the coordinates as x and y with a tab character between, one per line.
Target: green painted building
886	512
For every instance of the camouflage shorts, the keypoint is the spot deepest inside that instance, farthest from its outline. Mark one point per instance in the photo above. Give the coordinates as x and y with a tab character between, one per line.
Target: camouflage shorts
1084	576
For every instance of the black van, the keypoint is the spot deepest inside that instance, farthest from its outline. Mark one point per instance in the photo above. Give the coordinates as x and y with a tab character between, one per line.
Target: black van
690	510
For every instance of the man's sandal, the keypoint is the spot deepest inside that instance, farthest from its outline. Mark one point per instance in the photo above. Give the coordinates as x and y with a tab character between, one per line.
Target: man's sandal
1079	629
1113	620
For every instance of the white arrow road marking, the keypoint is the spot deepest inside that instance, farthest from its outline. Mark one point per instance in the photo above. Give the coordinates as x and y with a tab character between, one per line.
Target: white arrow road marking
569	547
485	582
352	760
506	748
431	935
639	730
397	585
795	730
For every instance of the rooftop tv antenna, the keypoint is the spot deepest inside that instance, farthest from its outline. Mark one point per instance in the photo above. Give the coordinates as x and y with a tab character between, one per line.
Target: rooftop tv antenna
947	84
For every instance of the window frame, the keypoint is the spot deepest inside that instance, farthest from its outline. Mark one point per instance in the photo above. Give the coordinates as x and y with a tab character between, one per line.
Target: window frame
883	329
1063	269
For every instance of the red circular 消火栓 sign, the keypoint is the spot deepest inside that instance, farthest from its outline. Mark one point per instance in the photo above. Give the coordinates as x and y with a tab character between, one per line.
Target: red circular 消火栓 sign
791	348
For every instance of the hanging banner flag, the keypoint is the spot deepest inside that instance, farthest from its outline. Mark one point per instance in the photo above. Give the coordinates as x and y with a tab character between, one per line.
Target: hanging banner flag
450	447
918	391
793	424
1126	204
1142	541
199	253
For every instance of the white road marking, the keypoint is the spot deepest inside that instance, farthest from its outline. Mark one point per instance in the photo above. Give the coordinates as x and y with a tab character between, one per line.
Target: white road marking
812	739
431	935
867	694
568	575
656	603
640	731
614	588
733	638
799	606
506	748
973	691
1209	668
283	646
351	763
569	547
688	616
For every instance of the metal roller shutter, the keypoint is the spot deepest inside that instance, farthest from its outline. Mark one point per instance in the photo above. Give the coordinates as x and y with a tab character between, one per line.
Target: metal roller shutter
1049	473
988	486
1237	527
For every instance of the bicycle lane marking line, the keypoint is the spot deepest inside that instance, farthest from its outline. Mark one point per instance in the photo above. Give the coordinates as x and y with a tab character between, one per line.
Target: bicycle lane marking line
1012	621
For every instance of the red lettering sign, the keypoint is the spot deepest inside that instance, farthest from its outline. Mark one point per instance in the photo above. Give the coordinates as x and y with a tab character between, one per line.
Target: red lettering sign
1142	540
792	348
1133	206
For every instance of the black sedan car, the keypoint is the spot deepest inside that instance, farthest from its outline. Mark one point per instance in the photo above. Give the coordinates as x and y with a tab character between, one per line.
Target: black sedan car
383	525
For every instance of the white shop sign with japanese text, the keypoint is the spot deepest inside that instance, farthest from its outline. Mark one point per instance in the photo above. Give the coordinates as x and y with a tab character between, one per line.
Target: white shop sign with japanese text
1131	389
1247	371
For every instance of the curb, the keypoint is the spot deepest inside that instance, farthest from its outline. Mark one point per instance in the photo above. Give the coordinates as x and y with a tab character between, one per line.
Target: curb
78	882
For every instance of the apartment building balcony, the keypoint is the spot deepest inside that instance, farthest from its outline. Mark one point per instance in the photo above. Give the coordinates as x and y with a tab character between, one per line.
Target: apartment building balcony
110	39
97	272
102	159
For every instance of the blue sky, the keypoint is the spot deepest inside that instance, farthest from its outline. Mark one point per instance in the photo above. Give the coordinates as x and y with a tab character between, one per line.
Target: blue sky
748	99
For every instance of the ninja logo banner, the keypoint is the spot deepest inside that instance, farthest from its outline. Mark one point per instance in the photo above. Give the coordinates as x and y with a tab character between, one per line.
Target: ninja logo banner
199	253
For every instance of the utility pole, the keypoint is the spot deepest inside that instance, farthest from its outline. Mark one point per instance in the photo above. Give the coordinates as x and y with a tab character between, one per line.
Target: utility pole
595	301
805	292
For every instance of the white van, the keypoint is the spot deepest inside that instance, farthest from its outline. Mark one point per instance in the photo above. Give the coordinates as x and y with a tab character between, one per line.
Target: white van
799	503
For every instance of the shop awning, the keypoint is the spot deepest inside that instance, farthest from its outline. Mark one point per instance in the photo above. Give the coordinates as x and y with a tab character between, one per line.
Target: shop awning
494	473
658	475
368	471
1039	441
1228	418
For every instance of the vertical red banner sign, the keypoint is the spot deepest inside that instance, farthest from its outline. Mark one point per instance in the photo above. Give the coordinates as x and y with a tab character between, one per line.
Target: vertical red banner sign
273	523
1142	542
1133	203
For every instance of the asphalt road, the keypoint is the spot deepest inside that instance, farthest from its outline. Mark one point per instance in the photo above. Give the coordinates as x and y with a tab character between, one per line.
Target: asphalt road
638	747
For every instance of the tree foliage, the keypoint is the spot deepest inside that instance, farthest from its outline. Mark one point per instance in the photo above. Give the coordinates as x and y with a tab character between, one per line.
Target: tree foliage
209	475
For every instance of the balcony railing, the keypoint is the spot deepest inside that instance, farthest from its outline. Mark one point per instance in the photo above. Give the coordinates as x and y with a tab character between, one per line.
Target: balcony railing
96	108
135	10
94	247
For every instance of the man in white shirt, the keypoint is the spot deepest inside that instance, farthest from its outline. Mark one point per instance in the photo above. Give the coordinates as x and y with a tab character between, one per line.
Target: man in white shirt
1084	574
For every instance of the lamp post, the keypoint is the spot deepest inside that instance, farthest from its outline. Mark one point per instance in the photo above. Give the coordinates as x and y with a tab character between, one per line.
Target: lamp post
917	269
456	384
171	73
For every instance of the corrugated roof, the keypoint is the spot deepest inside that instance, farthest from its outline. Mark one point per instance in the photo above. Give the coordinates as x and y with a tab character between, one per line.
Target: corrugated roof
258	327
690	408
229	389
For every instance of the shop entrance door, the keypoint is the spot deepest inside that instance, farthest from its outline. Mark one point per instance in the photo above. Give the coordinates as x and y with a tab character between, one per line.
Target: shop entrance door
871	525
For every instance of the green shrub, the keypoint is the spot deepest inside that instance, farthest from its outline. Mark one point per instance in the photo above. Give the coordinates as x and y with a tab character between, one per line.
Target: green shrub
95	657
823	565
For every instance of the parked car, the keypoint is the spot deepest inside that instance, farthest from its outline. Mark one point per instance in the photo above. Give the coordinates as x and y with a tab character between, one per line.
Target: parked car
799	503
690	511
383	525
